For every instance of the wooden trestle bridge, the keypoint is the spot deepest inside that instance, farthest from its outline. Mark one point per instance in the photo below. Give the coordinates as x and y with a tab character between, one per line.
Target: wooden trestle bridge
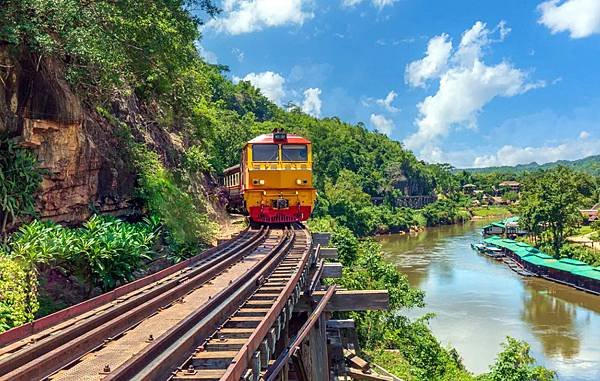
252	308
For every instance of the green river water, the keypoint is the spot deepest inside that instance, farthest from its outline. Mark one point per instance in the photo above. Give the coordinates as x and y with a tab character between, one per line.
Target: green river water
478	302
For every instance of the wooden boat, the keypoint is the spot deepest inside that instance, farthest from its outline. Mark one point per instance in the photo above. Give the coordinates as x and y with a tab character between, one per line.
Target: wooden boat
489	250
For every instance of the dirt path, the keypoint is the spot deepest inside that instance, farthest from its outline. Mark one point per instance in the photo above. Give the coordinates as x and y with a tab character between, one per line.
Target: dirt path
585	240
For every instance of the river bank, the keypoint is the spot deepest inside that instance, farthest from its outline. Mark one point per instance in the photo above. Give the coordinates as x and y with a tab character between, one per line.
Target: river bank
479	301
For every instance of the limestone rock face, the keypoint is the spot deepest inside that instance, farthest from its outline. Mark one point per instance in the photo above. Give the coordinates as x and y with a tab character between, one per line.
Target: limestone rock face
85	167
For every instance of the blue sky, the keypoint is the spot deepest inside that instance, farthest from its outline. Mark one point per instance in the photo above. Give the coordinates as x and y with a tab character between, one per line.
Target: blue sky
472	83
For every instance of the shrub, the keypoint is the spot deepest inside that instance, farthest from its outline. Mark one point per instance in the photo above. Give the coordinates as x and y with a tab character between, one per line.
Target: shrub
103	253
515	363
20	178
187	226
14	295
196	160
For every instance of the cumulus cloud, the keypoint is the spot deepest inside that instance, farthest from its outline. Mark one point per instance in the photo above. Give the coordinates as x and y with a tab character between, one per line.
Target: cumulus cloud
584	135
386	102
581	18
312	102
270	84
466	83
379	4
433	64
513	155
245	16
382	124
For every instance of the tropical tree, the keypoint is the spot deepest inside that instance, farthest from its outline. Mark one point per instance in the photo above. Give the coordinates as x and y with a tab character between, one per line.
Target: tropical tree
515	363
550	199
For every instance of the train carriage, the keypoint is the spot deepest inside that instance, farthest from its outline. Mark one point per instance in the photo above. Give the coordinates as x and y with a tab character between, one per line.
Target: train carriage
273	182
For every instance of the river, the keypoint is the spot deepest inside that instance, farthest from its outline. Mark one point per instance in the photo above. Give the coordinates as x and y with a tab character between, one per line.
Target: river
478	302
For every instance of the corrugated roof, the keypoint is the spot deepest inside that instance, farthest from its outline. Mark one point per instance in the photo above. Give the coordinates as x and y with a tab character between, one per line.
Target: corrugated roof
532	255
593	273
574	262
534	259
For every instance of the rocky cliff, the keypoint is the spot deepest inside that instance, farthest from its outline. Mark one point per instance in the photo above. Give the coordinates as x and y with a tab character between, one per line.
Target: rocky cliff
85	169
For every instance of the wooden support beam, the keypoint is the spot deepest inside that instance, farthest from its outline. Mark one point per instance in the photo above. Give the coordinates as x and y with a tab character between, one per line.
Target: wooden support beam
321	238
332	270
328	253
356	362
360	375
349	300
340	324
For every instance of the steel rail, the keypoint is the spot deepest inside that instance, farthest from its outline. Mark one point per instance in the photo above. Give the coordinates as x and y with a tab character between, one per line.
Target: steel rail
47	356
15	334
163	356
316	279
274	370
244	357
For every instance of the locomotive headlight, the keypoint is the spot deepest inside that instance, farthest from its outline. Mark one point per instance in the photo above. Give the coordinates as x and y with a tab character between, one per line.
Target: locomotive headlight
261	182
300	181
258	182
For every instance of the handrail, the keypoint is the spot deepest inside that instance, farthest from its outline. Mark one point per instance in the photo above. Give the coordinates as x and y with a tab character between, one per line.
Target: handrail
274	370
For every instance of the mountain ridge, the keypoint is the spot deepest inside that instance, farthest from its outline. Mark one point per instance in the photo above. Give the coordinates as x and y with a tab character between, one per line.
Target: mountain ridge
589	164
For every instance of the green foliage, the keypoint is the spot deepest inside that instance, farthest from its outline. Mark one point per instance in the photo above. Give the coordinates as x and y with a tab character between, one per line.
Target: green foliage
196	160
443	212
550	199
187	226
515	363
108	43
20	178
511	196
14	295
581	253
103	253
491	211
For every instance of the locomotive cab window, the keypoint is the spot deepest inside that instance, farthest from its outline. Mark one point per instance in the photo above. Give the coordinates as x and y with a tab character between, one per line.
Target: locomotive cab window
265	152
294	152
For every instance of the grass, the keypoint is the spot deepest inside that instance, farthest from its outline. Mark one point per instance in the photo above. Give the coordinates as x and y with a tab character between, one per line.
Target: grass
491	211
584	230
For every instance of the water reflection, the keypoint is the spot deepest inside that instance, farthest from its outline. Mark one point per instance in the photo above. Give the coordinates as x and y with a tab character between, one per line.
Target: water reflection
479	301
552	321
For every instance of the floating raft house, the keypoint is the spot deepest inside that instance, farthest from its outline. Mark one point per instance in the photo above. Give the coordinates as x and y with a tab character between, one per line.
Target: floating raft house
566	270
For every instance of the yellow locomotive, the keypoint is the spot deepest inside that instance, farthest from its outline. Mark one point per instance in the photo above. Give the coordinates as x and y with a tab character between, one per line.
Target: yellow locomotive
273	182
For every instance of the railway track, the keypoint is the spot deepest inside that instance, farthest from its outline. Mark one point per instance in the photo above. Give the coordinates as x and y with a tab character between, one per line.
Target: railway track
191	324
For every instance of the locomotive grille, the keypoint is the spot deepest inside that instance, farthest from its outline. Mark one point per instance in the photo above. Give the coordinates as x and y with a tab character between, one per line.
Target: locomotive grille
279	218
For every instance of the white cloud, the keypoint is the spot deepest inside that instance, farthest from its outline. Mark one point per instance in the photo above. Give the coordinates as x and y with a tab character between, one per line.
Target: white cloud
382	124
270	84
245	16
386	103
239	54
581	18
584	135
432	65
312	102
207	55
466	84
512	155
379	4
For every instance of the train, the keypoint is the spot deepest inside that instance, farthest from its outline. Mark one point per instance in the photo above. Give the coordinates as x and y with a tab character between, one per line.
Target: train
273	182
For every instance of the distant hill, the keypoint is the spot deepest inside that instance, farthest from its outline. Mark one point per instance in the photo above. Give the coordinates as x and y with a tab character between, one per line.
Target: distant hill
590	164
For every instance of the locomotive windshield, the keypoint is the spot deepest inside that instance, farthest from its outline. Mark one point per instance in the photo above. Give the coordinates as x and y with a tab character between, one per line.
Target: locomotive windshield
265	152
294	152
